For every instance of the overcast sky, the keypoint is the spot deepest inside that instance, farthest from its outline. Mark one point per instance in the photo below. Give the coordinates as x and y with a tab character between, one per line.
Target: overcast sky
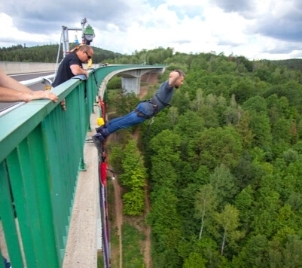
256	29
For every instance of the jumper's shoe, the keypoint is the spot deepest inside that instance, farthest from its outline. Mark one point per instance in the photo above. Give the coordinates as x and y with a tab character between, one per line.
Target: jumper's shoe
102	129
98	140
99	129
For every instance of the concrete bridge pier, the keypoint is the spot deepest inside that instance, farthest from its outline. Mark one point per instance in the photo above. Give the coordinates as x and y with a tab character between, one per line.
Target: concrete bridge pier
131	79
131	84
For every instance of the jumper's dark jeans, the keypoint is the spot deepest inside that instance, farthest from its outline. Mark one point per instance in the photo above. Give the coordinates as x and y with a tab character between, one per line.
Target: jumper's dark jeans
129	119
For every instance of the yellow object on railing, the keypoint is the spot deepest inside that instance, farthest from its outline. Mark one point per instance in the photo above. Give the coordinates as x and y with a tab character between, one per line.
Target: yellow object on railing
100	121
89	63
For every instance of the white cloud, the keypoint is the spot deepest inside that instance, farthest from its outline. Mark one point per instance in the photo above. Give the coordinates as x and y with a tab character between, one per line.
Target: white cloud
10	35
187	26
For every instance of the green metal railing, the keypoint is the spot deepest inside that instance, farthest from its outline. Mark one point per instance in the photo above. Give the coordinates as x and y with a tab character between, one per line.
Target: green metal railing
41	148
41	155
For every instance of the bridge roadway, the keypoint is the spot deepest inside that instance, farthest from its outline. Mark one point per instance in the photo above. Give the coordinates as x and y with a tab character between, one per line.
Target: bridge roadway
24	77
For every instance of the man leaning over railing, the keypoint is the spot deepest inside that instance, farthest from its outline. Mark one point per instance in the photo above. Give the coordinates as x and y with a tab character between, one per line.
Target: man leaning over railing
72	65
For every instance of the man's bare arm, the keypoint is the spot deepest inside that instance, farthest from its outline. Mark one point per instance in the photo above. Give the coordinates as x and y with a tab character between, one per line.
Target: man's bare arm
77	70
11	95
11	90
8	82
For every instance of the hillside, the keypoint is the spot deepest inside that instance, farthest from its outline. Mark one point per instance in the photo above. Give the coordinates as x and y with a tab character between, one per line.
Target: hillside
47	53
295	64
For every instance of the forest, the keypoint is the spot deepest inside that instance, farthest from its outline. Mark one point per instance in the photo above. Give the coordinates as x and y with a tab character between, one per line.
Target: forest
47	53
223	164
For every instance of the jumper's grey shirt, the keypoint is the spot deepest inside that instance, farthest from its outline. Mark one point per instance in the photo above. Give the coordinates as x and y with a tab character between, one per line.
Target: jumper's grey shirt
161	98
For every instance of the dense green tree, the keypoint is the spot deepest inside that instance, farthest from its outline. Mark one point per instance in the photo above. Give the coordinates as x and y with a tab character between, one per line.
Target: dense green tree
281	135
194	260
133	202
242	127
261	129
223	183
229	222
265	213
181	100
278	107
189	125
198	102
254	253
173	115
294	95
263	74
217	146
255	104
210	117
245	62
114	83
244	203
187	208
166	226
202	175
165	155
233	113
205	204
292	252
295	201
243	90
125	103
245	171
115	157
133	178
209	249
133	171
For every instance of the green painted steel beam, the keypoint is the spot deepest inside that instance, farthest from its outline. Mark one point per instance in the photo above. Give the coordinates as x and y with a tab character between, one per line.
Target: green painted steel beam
8	219
17	124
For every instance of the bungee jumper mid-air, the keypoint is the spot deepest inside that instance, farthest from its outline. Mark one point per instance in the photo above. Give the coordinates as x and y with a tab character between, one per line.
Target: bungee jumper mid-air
144	110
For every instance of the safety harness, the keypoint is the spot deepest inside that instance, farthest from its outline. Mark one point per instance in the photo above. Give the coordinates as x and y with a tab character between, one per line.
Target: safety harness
140	114
153	101
156	98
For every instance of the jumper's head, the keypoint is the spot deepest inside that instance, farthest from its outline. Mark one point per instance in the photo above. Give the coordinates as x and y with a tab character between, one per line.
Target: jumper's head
181	77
